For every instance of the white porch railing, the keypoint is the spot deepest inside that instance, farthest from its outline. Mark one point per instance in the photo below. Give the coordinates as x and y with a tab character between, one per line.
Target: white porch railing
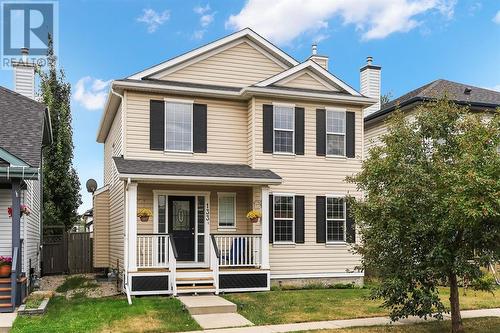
239	250
214	262
153	250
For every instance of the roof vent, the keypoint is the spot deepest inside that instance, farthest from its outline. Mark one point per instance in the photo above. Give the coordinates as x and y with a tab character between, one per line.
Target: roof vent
467	91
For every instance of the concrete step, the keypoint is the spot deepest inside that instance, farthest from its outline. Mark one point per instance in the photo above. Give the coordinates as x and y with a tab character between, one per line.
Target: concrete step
222	320
207	304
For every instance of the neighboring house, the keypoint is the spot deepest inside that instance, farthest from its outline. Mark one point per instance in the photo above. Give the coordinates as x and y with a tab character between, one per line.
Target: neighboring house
478	100
88	220
24	129
205	137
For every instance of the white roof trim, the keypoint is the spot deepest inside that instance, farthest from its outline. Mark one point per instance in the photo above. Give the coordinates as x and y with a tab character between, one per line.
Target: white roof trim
199	179
310	73
308	64
211	46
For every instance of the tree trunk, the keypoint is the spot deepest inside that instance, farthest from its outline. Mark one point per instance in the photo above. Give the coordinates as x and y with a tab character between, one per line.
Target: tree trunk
456	318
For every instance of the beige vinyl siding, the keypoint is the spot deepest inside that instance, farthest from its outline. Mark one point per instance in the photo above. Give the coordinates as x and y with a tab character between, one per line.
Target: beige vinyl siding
305	81
243	200
240	65
113	147
311	176
373	133
101	229
227	131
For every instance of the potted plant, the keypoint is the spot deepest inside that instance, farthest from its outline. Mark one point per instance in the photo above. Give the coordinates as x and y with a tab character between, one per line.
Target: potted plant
144	214
254	215
5	266
25	210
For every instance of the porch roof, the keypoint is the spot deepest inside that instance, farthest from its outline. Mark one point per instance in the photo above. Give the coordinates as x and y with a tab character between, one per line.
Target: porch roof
194	172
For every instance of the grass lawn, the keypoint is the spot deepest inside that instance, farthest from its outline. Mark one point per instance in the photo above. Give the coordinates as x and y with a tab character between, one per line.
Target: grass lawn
147	314
477	325
292	306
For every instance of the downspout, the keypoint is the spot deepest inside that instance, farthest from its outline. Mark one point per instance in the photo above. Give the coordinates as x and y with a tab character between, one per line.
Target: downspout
125	261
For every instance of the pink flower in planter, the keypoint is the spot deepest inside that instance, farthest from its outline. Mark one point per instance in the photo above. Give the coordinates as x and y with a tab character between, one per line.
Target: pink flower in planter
5	261
25	210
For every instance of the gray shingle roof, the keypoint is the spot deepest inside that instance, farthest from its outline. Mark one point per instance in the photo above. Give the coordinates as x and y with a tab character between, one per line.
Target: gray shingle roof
21	126
437	89
191	169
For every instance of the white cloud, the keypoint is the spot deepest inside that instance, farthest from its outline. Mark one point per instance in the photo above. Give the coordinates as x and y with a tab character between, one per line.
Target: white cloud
91	93
496	19
206	19
153	19
284	20
201	10
198	34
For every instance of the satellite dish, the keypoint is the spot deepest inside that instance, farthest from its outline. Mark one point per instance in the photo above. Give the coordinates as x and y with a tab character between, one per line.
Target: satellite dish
91	185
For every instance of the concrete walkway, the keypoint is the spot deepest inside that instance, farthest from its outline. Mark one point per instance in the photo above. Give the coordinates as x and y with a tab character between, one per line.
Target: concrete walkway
336	324
6	321
212	312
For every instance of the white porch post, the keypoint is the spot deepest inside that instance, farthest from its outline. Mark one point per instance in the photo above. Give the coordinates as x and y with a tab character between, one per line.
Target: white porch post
132	226
265	227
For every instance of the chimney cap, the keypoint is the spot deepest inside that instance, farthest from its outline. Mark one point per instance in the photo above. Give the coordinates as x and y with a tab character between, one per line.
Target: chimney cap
314	49
369	60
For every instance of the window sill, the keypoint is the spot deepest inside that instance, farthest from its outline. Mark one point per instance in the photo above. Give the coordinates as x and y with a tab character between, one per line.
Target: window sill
333	244
336	157
284	245
178	152
289	155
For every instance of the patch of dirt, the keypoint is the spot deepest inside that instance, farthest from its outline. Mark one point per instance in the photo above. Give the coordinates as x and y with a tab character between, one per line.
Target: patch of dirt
103	288
142	323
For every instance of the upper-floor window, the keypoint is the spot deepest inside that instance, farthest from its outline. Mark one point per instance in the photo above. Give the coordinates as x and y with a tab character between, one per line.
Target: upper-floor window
335	219
335	132
179	126
284	218
284	124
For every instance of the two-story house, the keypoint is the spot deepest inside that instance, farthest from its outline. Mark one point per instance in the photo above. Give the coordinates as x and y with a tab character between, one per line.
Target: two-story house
202	139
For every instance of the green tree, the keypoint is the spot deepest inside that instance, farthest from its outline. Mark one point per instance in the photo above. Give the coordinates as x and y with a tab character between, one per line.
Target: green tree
385	98
431	215
61	186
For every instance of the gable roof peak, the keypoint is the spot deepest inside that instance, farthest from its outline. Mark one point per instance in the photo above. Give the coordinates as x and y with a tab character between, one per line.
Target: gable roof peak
279	54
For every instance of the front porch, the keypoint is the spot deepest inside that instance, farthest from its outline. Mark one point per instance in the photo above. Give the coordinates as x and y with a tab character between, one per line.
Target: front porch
198	239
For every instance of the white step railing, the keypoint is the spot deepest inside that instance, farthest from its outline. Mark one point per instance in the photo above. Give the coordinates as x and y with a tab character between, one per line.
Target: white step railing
153	250
239	250
214	262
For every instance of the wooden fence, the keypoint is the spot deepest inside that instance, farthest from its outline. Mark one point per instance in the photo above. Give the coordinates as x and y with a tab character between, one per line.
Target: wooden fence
66	252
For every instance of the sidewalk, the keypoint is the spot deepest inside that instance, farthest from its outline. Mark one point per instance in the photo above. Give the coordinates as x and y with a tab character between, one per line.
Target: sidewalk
332	324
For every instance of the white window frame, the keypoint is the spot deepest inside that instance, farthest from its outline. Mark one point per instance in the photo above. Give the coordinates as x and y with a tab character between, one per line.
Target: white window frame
287	219
336	220
338	110
292	106
226	195
178	101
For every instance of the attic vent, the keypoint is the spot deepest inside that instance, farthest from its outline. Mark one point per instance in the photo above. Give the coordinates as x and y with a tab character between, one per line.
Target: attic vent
467	91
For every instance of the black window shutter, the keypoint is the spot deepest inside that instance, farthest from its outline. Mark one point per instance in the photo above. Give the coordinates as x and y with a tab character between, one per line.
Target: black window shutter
200	128
350	118
156	125
299	131
320	219
299	219
320	132
268	128
350	226
271	218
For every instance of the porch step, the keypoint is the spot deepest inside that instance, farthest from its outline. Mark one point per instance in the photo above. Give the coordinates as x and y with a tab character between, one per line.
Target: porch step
5	289
4	280
201	305
6	305
5	296
195	289
195	280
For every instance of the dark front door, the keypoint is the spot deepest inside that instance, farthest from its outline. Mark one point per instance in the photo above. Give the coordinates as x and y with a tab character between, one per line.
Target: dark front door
181	219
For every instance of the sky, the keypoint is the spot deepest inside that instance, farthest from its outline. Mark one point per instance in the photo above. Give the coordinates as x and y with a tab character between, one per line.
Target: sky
415	42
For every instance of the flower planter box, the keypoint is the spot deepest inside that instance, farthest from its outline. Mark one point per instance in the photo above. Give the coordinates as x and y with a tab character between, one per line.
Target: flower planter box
42	308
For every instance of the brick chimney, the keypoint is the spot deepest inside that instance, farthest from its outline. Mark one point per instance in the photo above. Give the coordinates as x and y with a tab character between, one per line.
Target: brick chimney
24	75
370	84
319	59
